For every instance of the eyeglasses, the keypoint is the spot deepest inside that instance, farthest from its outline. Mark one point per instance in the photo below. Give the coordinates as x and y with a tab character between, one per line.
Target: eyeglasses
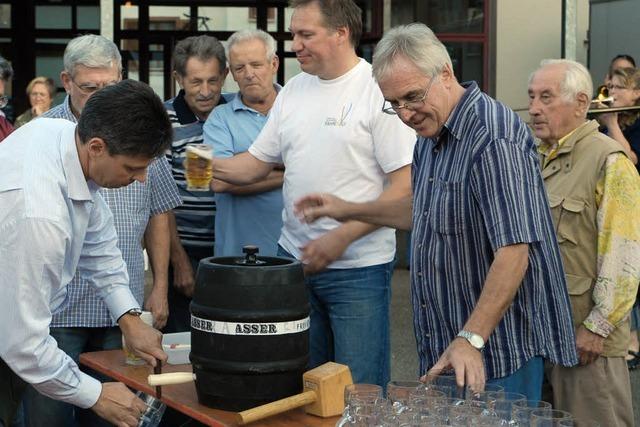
4	100
616	87
394	107
91	88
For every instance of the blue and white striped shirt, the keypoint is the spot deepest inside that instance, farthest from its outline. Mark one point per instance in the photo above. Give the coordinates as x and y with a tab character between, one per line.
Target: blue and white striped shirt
131	206
195	219
478	188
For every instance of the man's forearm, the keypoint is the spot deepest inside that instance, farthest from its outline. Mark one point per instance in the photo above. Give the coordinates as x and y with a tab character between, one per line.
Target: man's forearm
394	213
272	181
393	207
158	242
175	245
500	287
241	169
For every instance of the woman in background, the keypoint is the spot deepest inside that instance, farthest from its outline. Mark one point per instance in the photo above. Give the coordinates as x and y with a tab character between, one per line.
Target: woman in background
624	127
41	92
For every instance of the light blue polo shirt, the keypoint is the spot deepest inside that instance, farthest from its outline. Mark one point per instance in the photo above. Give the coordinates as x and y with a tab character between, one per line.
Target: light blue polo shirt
242	220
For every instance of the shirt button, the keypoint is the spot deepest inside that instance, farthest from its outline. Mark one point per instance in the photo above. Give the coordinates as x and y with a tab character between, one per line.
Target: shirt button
430	179
425	213
435	151
419	273
424	306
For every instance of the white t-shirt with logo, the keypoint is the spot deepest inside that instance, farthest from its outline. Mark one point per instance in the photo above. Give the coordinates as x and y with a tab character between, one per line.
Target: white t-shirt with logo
333	137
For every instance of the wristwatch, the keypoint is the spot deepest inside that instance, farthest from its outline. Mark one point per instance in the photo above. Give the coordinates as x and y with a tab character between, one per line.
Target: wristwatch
474	339
134	312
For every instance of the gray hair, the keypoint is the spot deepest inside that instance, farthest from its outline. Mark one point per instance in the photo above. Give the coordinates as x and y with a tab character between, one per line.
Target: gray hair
202	47
6	71
576	78
253	34
92	51
415	42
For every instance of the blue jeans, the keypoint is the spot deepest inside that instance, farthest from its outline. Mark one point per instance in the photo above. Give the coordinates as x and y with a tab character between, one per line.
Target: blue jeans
43	411
527	380
350	319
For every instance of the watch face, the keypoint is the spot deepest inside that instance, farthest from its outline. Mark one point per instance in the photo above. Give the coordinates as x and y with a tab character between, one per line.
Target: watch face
476	341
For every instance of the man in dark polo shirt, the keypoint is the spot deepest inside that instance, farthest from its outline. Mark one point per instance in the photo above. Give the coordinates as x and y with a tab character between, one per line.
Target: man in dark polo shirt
200	68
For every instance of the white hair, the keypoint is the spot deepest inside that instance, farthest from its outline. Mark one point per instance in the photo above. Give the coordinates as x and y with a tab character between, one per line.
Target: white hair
415	42
92	51
576	79
253	34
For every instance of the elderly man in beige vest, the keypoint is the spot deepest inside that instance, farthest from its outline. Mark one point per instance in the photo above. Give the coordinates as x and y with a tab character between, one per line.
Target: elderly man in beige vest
594	195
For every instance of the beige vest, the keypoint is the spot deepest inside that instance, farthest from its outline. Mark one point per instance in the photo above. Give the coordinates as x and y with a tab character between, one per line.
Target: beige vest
570	180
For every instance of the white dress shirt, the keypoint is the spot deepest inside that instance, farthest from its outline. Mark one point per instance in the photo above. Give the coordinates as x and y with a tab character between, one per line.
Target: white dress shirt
52	221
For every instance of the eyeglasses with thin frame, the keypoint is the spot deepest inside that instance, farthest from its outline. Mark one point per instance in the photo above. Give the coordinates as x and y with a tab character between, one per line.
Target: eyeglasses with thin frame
91	88
394	108
611	86
4	100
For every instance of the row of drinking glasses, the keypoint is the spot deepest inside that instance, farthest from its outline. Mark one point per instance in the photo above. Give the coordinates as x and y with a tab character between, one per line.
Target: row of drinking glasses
440	402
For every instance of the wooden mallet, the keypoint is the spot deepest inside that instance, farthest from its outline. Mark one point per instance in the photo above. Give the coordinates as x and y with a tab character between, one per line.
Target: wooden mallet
323	395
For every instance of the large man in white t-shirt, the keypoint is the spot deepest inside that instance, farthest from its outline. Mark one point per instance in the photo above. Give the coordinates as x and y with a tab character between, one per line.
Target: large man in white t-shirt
328	128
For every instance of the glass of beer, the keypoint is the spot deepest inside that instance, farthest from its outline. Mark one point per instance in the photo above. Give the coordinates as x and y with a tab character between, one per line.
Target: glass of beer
198	166
130	357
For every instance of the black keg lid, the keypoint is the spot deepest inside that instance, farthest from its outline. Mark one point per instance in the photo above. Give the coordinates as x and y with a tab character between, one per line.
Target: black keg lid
251	259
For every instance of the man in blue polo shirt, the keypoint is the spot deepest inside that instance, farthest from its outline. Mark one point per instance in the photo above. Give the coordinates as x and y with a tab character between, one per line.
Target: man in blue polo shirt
246	214
486	271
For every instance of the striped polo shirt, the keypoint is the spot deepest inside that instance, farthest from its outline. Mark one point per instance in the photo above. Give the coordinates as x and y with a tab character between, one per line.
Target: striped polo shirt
477	188
195	219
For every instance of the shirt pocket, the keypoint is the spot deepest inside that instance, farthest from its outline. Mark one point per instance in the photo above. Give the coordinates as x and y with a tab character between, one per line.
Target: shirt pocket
567	213
447	207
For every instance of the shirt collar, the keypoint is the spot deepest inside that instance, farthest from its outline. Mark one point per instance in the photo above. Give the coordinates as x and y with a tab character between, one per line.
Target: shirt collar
184	113
464	111
565	143
78	187
67	111
237	104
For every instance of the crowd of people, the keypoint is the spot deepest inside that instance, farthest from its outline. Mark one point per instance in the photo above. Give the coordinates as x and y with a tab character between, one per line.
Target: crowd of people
525	241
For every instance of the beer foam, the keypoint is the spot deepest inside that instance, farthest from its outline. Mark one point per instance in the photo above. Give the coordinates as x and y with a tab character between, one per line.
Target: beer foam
201	150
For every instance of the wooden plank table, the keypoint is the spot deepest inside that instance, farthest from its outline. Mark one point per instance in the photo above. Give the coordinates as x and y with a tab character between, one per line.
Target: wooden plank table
183	398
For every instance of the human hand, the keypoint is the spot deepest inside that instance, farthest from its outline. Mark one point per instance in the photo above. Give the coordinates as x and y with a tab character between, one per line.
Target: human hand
37	110
589	345
183	276
142	339
465	360
319	253
313	206
118	405
158	305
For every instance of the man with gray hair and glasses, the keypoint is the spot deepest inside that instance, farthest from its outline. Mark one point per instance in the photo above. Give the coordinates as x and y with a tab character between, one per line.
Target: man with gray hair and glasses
488	291
140	214
594	194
